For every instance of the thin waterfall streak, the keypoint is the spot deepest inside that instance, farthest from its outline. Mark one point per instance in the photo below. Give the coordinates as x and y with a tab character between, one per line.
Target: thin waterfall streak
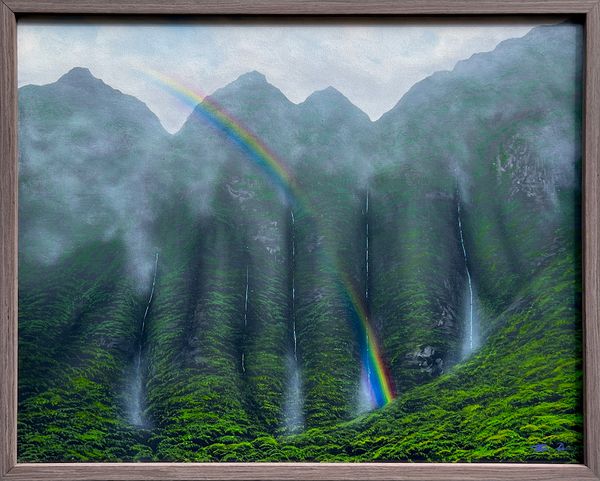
137	401
243	360
143	327
464	250
367	247
293	414
367	265
246	301
367	277
294	287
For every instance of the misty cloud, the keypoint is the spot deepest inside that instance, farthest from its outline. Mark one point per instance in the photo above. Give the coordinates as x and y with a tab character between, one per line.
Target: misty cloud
372	64
97	163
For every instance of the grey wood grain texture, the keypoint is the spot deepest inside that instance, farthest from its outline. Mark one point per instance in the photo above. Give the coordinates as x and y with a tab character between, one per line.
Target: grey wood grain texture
9	470
308	7
306	471
591	237
8	240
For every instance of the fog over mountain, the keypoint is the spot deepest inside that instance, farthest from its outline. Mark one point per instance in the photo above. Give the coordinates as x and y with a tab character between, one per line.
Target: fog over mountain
372	63
201	299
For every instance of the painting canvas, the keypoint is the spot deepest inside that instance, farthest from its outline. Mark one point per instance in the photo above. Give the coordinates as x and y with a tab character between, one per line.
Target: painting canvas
259	240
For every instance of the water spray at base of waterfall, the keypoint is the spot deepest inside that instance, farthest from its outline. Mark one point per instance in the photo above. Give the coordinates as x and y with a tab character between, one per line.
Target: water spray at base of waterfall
136	406
366	397
293	414
470	339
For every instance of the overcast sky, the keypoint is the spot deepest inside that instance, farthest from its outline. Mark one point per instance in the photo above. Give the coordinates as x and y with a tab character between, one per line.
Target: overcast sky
373	65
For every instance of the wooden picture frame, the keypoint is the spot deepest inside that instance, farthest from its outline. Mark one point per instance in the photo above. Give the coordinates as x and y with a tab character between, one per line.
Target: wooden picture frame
11	10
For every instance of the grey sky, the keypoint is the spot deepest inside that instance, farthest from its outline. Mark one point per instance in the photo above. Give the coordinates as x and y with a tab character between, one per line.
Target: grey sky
373	65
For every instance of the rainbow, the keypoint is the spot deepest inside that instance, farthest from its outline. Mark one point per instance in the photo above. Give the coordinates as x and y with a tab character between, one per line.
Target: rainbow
217	117
374	371
378	380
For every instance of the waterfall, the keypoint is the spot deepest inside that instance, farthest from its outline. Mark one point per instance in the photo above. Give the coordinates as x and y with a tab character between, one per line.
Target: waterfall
293	313
367	273
246	301
243	360
365	398
367	246
136	407
293	415
469	345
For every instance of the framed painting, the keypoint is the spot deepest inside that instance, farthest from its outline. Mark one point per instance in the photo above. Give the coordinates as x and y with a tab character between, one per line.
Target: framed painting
308	240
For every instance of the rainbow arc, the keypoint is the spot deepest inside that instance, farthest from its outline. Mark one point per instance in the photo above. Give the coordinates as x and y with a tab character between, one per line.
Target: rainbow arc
207	109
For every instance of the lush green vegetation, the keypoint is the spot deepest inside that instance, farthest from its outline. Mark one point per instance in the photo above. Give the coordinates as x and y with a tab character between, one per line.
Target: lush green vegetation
195	360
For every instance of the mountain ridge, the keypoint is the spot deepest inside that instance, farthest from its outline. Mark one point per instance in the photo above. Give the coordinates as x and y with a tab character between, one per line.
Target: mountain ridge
255	78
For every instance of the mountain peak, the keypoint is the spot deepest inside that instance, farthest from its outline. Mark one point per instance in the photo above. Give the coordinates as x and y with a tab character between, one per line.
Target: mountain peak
249	81
330	100
329	93
79	76
252	76
251	88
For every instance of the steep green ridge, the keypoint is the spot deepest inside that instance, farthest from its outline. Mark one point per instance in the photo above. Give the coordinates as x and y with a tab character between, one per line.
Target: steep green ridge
200	386
71	375
520	391
246	348
507	133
